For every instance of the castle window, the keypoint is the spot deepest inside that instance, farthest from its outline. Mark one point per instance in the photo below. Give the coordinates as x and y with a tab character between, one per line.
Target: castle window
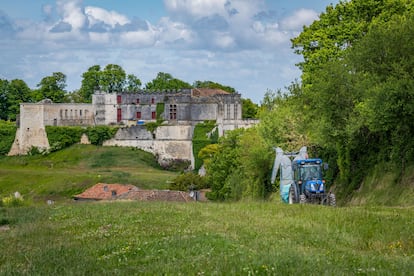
228	111
119	99
235	112
80	112
139	115
119	115
66	113
173	112
61	113
152	100
153	115
138	101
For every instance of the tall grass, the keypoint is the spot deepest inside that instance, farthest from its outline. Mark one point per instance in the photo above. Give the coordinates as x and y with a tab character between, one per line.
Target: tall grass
160	238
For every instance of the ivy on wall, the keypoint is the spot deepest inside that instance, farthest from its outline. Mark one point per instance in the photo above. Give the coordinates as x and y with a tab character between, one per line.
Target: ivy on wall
204	134
159	111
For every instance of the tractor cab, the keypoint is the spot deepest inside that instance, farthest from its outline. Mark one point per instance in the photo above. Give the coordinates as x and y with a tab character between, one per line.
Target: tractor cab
307	174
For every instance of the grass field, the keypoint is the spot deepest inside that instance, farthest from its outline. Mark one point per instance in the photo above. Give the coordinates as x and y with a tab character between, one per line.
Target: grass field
62	174
166	238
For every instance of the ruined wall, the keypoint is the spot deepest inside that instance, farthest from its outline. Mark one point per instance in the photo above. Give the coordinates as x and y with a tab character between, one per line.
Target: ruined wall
68	114
31	131
171	142
34	117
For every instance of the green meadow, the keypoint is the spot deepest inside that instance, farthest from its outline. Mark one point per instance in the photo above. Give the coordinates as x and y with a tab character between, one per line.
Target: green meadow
170	238
167	238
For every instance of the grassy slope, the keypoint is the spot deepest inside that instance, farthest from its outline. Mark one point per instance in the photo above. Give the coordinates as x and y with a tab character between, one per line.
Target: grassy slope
65	173
160	238
385	186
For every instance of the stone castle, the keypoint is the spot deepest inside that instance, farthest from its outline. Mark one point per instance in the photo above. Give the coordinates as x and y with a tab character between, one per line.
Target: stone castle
180	110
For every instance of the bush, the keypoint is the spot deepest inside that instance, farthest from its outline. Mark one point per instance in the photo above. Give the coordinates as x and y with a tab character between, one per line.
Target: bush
98	134
63	137
188	181
7	134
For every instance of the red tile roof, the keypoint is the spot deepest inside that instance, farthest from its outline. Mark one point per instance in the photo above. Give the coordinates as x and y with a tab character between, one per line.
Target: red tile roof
206	92
102	191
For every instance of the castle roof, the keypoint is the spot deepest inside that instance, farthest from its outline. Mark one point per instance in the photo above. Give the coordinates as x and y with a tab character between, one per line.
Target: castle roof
206	92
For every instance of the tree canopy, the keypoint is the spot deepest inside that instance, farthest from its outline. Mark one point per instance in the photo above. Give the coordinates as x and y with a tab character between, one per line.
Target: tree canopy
165	81
354	106
52	87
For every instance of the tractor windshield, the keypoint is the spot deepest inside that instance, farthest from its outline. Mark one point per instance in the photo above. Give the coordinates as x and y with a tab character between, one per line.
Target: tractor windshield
310	172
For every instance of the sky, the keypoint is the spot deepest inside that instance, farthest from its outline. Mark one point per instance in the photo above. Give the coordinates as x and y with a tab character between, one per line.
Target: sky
244	44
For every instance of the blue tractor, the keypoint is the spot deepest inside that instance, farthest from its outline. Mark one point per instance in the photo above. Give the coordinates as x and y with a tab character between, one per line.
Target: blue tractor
301	179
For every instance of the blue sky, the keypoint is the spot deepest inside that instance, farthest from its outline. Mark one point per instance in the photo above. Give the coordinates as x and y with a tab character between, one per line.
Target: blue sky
241	43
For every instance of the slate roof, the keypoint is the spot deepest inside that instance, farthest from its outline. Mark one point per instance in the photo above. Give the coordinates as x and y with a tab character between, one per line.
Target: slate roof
102	191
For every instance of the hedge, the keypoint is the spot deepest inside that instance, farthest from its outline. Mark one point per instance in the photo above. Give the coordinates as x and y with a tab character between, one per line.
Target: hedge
7	134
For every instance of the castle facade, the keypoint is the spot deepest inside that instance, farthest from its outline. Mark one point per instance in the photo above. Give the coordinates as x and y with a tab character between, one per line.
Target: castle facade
178	110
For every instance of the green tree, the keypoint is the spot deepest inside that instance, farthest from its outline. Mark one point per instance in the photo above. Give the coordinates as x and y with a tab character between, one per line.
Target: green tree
338	28
113	78
166	81
385	61
91	82
133	83
249	109
223	172
4	95
19	92
52	87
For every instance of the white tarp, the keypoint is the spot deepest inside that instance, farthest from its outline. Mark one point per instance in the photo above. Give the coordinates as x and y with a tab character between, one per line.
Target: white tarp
283	162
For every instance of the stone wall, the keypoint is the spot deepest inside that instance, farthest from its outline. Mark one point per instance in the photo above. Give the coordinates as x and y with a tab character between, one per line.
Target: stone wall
170	143
31	132
34	117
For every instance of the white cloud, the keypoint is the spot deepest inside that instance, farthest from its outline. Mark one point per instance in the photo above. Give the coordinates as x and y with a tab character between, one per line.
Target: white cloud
299	19
96	15
72	13
195	8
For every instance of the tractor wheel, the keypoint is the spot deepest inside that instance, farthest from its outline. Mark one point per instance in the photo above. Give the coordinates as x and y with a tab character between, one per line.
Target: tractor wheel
303	199
331	200
293	194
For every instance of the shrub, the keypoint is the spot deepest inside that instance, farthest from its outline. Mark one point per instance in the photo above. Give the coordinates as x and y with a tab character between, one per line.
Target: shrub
187	181
98	134
7	134
61	137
